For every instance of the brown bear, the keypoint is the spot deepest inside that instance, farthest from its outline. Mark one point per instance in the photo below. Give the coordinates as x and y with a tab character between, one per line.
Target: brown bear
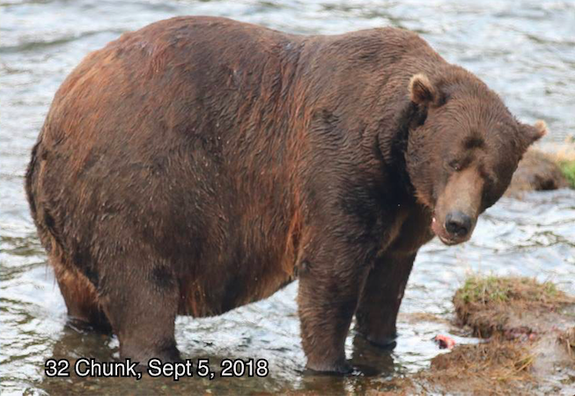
200	164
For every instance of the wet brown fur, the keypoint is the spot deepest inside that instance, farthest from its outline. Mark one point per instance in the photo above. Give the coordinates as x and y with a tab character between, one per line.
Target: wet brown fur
200	164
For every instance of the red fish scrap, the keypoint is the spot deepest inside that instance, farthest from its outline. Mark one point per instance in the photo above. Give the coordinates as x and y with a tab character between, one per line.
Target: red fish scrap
444	342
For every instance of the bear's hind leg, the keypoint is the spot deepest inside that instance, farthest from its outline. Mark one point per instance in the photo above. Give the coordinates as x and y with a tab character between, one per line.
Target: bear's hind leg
141	300
81	299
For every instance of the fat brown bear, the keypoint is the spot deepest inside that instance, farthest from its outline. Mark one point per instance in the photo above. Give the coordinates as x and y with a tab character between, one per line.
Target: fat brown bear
200	164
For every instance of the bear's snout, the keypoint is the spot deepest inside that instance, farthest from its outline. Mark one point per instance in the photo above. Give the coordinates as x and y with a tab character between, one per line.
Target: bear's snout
456	227
458	224
455	213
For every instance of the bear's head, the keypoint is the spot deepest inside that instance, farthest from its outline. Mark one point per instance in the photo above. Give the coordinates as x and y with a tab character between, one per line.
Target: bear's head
462	150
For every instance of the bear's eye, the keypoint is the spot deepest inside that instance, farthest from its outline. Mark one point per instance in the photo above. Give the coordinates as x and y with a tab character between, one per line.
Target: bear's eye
454	165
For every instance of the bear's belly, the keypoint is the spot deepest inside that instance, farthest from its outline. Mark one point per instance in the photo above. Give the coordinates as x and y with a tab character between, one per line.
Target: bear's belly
238	274
217	295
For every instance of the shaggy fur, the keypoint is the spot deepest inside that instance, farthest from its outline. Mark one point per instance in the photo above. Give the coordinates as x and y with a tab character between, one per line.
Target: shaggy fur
200	164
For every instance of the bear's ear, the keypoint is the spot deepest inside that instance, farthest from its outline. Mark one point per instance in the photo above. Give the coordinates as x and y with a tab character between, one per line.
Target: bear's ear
535	132
421	91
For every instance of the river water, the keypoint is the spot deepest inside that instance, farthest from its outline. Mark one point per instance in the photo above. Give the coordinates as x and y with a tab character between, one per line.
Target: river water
525	50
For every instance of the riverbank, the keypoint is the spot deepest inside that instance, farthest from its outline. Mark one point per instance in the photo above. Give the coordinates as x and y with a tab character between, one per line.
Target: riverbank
528	330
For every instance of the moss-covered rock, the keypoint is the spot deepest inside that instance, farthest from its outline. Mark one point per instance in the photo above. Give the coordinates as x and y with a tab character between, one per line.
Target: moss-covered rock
538	171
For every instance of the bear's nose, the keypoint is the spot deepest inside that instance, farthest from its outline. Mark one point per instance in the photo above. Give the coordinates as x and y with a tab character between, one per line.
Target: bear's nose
457	223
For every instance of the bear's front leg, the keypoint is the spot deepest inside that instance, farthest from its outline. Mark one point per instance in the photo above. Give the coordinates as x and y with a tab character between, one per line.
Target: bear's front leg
329	286
381	297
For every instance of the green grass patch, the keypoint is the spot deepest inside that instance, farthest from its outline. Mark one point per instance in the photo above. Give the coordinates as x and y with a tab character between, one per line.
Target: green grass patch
568	169
486	303
492	289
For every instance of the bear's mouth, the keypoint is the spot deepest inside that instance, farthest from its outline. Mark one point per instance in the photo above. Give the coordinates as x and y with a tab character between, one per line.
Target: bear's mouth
448	242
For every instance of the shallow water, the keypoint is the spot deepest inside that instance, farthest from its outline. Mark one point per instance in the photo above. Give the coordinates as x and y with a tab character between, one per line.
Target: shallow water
523	49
